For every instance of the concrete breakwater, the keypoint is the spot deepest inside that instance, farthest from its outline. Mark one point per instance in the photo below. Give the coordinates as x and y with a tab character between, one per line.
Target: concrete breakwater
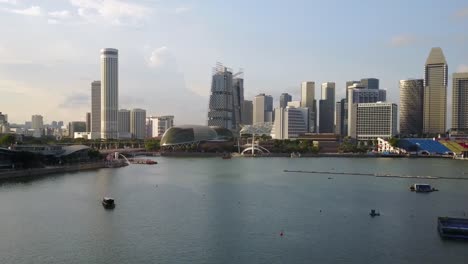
378	175
31	173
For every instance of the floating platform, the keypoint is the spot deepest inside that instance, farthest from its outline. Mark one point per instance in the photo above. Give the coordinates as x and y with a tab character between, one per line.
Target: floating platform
453	228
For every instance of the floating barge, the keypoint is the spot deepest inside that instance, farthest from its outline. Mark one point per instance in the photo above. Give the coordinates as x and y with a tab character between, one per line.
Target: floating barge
422	187
453	228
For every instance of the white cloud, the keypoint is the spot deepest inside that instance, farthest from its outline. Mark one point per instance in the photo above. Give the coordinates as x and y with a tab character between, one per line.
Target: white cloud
403	40
113	11
11	2
462	12
462	68
161	57
31	11
59	14
182	9
52	21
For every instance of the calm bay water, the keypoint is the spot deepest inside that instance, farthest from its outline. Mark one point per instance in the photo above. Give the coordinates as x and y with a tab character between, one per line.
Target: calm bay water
209	210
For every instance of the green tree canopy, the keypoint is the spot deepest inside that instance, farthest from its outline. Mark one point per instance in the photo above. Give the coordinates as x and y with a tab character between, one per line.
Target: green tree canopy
152	144
7	140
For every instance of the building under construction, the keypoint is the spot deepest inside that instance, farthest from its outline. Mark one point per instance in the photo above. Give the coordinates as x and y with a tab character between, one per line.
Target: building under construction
226	99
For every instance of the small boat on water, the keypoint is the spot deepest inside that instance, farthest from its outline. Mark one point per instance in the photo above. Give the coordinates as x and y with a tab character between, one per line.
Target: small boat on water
422	187
374	213
453	228
108	203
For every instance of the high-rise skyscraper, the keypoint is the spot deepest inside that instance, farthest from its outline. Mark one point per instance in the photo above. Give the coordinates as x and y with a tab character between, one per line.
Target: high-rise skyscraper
308	100
262	109
138	123
435	93
327	108
460	103
284	99
109	93
338	118
96	107
227	94
123	118
247	112
238	97
411	106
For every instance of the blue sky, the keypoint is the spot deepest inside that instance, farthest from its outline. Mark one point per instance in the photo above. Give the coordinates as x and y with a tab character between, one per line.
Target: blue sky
49	50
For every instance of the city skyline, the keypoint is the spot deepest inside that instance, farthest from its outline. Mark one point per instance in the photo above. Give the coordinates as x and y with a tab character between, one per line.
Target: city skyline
163	63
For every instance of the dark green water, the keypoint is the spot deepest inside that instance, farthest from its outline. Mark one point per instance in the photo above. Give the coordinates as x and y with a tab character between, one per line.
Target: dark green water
232	211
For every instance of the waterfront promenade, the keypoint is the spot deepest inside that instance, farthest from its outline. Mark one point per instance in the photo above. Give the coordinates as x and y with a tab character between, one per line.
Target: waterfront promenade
36	172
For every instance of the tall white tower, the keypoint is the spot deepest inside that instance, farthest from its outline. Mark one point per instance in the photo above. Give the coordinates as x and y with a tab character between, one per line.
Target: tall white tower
109	93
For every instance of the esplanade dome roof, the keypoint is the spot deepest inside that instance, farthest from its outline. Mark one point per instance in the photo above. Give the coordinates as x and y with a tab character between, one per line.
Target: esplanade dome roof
187	134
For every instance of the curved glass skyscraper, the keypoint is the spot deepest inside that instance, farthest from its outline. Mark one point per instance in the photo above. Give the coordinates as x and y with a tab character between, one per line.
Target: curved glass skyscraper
411	106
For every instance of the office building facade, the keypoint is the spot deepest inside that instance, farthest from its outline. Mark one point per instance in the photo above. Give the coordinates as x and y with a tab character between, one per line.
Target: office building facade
238	98
290	122
460	103
4	126
435	93
123	119
338	121
37	122
284	99
247	112
370	83
327	108
88	122
374	120
308	101
76	127
359	94
96	107
109	93
411	106
262	109
160	124
138	123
